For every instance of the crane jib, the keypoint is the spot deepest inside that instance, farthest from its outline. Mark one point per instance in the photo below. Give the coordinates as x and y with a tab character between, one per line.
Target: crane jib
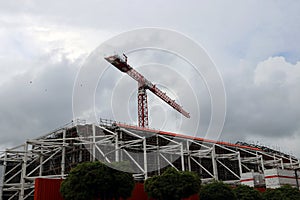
144	84
118	63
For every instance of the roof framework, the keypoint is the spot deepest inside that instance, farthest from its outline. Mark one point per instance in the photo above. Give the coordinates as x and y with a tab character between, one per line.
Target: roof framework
149	152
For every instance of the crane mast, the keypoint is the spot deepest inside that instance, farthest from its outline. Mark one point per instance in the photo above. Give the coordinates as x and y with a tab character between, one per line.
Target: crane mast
143	85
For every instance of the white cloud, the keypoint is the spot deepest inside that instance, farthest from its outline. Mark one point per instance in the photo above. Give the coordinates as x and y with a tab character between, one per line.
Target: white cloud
277	71
29	43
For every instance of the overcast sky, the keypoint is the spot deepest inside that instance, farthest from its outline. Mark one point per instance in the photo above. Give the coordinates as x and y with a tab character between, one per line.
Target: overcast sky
254	44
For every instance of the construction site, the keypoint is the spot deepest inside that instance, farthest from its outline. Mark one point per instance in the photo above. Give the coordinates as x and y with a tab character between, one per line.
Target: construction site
148	151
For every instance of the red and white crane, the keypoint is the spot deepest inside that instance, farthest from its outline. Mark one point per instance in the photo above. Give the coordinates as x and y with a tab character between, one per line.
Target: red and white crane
143	85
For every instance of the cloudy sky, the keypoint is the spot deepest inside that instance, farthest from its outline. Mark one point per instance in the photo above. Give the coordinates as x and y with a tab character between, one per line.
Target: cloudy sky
254	44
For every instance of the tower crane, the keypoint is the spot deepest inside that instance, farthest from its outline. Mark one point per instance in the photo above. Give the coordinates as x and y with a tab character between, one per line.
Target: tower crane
143	85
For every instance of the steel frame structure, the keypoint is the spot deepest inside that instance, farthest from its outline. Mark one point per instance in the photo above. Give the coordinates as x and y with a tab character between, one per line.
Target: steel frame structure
148	151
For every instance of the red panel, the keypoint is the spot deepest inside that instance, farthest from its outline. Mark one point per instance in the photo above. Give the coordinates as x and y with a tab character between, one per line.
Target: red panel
193	197
138	193
261	189
47	189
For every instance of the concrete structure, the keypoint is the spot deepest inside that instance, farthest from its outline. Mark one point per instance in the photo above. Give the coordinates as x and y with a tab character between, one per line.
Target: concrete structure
148	151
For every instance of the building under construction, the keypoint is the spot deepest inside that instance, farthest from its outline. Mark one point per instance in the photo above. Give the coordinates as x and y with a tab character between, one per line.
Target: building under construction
148	151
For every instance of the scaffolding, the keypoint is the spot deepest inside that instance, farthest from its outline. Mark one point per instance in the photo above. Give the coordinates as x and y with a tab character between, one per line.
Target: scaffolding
148	151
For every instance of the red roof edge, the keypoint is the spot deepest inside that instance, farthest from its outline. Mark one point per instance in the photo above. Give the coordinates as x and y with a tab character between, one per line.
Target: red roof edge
187	137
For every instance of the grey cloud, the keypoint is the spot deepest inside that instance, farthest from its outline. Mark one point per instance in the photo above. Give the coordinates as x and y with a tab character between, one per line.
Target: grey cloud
34	102
267	110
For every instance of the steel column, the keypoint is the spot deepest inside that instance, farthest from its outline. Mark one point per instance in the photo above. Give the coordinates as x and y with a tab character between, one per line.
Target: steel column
63	154
23	174
240	163
214	163
94	143
188	155
145	158
182	157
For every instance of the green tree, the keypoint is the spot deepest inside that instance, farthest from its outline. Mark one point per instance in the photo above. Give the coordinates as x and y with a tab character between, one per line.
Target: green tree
94	180
272	194
172	185
285	192
216	190
244	192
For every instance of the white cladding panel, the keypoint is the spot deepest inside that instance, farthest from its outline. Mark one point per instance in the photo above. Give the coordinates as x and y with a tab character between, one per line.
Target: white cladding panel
278	177
252	179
